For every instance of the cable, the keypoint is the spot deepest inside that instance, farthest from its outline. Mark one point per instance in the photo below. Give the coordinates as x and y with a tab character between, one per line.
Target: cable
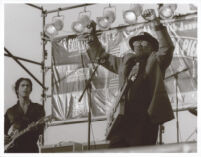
93	137
195	131
89	104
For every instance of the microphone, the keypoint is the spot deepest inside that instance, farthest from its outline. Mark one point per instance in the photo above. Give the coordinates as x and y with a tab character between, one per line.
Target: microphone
88	35
92	24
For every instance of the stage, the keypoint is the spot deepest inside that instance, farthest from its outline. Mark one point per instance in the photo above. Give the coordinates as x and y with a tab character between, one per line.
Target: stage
102	147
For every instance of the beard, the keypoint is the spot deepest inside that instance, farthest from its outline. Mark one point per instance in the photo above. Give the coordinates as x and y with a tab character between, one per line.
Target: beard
141	54
142	51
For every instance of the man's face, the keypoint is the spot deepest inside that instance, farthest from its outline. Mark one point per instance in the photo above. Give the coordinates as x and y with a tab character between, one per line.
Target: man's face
24	89
142	47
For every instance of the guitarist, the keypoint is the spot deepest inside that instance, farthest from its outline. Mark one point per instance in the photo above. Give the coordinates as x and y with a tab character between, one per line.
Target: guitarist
146	104
20	116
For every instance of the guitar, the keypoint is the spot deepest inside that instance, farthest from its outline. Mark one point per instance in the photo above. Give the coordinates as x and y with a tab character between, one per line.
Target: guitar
118	111
29	128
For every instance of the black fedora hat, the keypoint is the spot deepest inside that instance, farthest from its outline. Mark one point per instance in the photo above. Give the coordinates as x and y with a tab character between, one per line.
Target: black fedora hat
144	36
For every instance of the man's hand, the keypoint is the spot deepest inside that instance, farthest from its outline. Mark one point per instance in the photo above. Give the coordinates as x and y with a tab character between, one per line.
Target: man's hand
7	139
89	34
92	27
150	64
149	14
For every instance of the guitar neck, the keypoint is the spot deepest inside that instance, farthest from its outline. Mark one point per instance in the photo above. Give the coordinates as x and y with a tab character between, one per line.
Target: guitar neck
27	129
41	121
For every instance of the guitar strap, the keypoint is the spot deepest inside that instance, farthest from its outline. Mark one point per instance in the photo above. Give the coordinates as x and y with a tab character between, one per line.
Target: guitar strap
131	78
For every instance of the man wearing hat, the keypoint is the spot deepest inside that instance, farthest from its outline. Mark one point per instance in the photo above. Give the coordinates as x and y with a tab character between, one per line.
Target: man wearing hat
146	101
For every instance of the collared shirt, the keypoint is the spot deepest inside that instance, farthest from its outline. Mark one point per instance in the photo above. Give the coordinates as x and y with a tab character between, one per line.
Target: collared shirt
16	118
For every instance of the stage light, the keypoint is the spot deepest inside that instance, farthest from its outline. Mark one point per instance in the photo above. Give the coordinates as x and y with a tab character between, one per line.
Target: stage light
167	10
50	30
53	28
83	21
130	16
193	7
107	19
80	25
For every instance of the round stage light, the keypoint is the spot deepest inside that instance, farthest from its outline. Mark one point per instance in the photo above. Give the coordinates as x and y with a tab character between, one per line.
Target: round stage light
52	29
80	25
106	21
129	17
103	22
110	16
167	10
58	24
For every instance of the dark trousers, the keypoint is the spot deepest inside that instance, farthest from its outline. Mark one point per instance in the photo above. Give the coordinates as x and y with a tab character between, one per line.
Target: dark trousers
140	134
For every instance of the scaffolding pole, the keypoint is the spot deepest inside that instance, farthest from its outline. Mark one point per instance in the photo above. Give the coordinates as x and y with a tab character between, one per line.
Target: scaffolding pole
23	59
68	8
35	6
44	55
18	62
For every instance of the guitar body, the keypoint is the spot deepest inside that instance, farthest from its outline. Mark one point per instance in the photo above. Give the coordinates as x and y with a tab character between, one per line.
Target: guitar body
116	116
115	120
16	134
9	146
12	132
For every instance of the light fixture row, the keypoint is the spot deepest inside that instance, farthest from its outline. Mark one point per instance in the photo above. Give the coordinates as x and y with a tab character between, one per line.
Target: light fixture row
130	16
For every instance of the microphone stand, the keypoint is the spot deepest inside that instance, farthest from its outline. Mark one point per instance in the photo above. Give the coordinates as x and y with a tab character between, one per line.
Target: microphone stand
176	85
161	131
88	84
177	114
88	87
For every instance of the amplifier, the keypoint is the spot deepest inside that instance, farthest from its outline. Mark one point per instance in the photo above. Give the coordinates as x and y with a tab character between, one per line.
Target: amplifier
96	145
61	147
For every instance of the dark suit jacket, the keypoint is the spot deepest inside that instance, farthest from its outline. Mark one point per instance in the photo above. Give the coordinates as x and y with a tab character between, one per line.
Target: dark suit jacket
150	96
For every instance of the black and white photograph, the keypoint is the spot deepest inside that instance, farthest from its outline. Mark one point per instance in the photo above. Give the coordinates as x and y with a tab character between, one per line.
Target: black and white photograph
100	77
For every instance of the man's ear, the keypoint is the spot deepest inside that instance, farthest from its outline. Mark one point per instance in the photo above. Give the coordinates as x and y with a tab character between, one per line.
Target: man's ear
152	48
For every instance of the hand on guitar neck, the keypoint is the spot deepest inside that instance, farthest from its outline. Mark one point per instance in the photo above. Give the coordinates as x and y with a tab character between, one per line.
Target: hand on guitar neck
7	139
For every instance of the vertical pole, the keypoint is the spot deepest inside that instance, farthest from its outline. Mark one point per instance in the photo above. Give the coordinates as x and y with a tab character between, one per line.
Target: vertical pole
89	116
161	131
177	116
44	57
88	88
